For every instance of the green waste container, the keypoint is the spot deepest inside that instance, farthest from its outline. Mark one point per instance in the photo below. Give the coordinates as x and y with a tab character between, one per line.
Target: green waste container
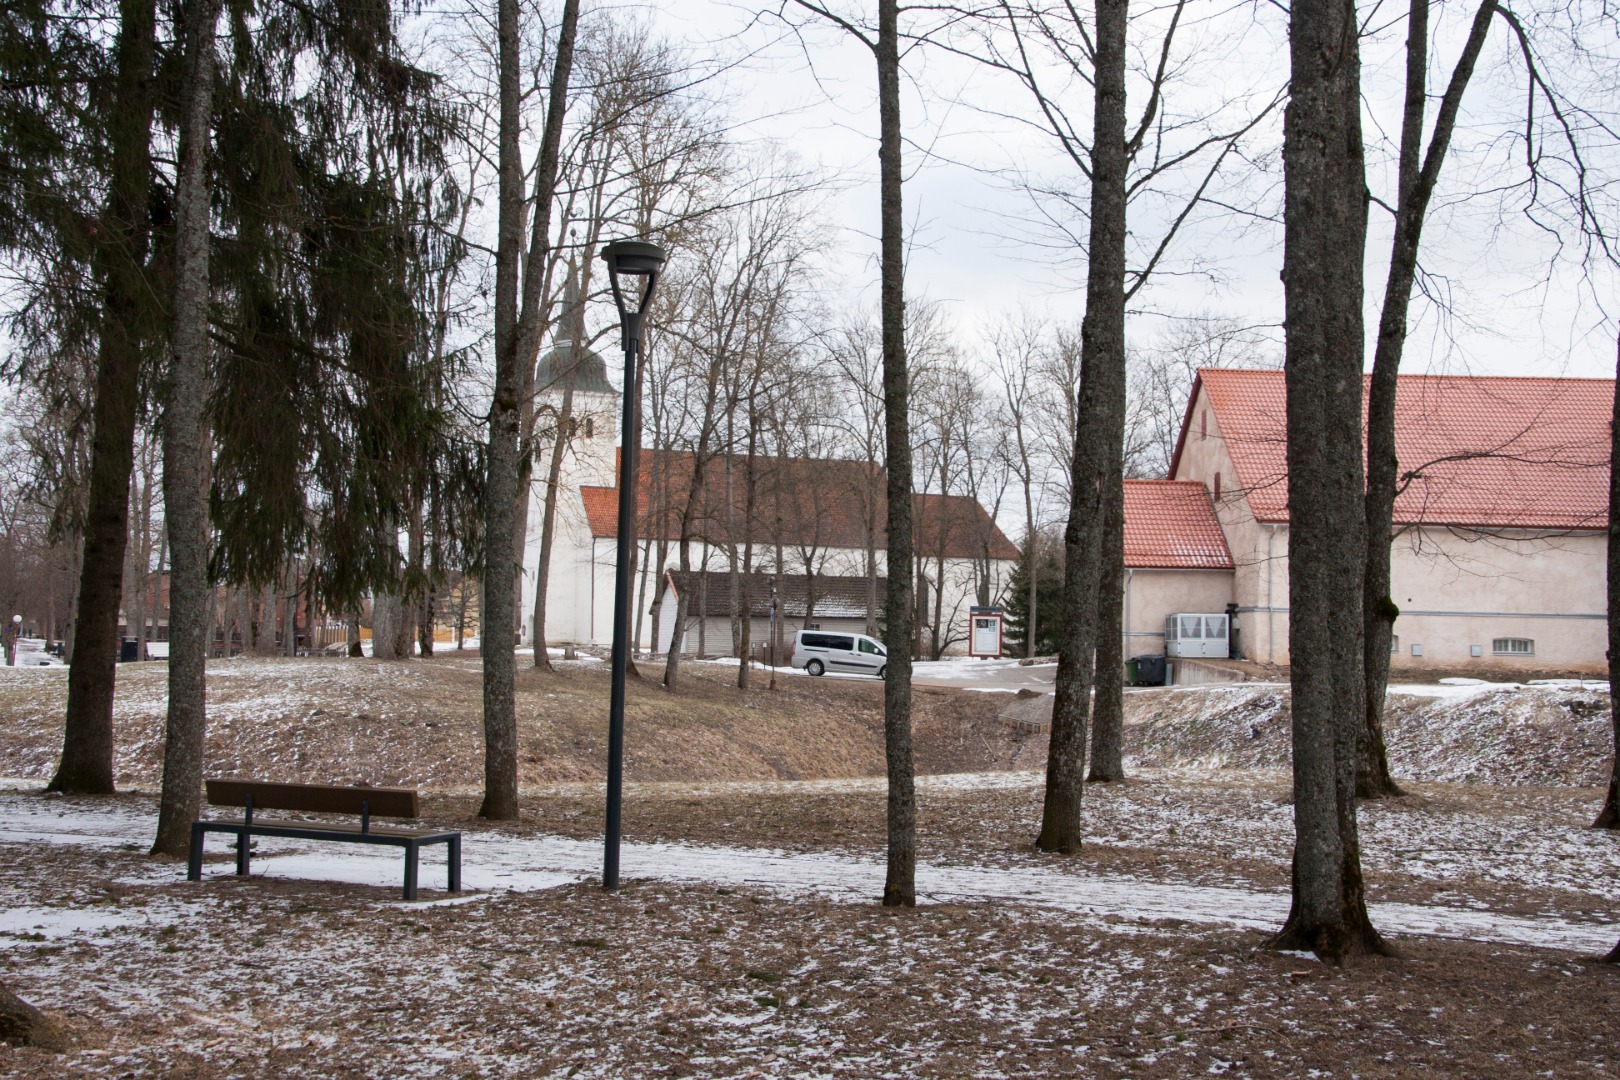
1133	673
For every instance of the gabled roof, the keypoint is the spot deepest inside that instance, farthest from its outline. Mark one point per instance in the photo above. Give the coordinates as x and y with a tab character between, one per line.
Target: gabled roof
1171	524
835	597
803	502
1482	451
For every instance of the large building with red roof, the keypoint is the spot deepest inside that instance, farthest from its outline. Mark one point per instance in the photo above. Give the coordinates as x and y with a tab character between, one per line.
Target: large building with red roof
817	524
1501	521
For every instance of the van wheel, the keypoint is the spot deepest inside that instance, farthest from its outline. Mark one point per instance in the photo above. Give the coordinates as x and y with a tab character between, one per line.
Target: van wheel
815	667
882	671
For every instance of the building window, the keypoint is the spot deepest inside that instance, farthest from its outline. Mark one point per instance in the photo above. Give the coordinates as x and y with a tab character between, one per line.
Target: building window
1394	644
1513	646
1217	486
1203	424
590	428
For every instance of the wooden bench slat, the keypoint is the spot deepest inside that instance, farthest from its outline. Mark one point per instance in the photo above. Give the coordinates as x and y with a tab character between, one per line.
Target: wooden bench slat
329	826
314	798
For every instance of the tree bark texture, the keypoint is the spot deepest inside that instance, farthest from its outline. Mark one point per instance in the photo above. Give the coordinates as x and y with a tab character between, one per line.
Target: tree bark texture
1609	816
186	450
501	552
23	1025
1108	706
900	879
1098	439
1416	186
548	516
87	741
1324	242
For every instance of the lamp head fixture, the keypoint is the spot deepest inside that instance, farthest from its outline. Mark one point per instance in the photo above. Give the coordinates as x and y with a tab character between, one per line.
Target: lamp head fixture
633	269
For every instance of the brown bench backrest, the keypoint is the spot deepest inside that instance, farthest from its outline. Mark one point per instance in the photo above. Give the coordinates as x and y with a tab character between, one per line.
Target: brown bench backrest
314	798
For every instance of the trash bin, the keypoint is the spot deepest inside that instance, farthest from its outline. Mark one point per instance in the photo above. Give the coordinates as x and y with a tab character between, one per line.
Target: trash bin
1150	670
1133	673
126	651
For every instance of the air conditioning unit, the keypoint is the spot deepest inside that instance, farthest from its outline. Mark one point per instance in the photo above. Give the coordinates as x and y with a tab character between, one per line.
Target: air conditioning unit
1198	635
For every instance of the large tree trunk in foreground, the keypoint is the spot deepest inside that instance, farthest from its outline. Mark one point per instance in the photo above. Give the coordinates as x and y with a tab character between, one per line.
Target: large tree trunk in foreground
1609	816
87	740
1097	441
23	1025
1324	242
900	878
1383	470
185	452
1108	707
501	490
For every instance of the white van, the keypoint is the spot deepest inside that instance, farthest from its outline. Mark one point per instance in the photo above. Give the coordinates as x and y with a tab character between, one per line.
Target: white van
818	652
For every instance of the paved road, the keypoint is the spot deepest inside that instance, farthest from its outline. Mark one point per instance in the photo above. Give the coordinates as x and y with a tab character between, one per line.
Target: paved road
1007	675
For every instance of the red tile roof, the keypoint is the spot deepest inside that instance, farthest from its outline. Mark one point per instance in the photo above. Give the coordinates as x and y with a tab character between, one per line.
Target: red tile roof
1485	452
806	502
1171	524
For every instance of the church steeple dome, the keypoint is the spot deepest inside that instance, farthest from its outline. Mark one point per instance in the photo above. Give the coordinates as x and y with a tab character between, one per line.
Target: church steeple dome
570	350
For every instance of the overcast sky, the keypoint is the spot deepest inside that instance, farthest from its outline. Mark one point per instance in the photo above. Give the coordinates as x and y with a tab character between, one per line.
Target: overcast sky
1514	306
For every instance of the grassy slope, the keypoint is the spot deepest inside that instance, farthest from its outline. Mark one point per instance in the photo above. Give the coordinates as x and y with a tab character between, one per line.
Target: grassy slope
419	723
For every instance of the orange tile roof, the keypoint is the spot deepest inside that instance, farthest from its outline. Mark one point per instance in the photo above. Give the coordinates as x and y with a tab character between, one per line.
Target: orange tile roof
812	503
1486	452
1171	524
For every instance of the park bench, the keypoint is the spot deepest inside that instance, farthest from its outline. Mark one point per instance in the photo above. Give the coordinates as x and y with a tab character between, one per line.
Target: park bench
254	795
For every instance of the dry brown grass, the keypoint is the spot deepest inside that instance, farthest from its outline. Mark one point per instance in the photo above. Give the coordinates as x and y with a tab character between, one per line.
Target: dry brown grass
419	723
284	978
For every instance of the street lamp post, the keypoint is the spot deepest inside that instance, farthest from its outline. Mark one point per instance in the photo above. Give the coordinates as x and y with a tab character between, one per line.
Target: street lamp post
633	269
772	636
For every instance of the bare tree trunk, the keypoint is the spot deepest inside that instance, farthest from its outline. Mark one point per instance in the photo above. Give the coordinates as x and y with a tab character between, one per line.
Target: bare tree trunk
900	879
1609	816
1097	442
1108	707
186	452
158	612
501	489
1324	245
1379	612
425	626
641	593
355	646
703	605
86	766
23	1025
548	514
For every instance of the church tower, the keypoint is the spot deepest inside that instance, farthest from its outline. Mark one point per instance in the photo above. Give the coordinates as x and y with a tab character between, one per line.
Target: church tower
575	404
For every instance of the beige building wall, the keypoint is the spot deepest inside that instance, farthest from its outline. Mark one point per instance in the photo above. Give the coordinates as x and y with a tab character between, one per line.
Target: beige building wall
1458	589
1151	595
1259	550
1461	590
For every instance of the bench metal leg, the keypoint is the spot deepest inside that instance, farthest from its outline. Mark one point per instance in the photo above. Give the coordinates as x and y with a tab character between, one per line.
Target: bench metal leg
412	851
454	843
243	846
194	859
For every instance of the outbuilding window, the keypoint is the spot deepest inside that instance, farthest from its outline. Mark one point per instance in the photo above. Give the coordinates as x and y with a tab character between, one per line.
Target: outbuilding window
1513	646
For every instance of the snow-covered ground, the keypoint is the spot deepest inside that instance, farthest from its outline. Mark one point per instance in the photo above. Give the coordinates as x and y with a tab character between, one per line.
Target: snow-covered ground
31	655
496	862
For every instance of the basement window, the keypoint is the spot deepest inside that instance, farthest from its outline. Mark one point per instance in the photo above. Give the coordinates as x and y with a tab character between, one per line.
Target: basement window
1513	646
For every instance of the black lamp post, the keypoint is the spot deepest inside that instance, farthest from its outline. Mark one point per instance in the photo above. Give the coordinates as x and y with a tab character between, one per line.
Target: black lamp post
633	269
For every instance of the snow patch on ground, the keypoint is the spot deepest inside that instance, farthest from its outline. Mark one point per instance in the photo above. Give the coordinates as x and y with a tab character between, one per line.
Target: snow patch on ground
494	862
